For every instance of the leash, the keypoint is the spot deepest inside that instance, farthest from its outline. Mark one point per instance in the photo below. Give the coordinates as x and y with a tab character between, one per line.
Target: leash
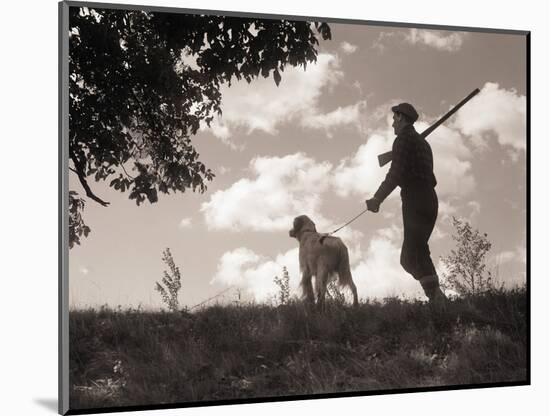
211	298
345	225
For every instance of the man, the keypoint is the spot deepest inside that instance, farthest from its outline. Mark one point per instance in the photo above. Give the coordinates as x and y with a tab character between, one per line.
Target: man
412	170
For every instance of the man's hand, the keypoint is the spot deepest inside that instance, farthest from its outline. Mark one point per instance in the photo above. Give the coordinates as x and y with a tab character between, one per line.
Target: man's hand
373	204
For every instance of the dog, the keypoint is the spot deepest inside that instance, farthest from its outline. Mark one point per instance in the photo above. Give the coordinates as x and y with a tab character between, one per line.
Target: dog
321	256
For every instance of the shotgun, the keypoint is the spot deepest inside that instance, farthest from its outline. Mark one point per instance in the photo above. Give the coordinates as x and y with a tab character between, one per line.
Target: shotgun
385	158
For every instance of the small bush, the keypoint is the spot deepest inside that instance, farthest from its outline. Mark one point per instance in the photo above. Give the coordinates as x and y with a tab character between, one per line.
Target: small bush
171	281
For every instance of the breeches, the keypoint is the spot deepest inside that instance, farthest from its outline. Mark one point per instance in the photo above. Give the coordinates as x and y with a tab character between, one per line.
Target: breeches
420	206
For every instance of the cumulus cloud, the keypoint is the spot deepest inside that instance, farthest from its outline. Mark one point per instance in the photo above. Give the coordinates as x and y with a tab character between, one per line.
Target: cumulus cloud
185	223
349	115
518	254
437	39
452	161
383	38
254	274
348	47
263	106
223	170
495	112
360	174
475	209
508	267
438	234
281	188
521	251
458	207
505	257
441	40
447	208
379	274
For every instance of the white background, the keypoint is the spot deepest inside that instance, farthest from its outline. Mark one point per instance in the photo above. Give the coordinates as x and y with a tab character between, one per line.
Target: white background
28	229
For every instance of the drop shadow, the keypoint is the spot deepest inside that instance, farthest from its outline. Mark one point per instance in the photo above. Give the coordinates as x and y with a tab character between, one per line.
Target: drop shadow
49	404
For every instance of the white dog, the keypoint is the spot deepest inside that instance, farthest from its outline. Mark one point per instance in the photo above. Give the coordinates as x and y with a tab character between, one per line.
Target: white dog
321	256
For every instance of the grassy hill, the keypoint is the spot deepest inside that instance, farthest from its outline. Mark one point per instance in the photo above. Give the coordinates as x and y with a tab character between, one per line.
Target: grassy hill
132	357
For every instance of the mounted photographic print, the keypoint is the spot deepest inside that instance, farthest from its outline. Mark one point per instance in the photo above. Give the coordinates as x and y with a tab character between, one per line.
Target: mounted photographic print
264	208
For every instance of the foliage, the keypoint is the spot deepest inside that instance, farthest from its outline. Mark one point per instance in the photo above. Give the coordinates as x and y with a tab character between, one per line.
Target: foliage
466	264
335	293
172	283
254	351
142	83
283	283
77	228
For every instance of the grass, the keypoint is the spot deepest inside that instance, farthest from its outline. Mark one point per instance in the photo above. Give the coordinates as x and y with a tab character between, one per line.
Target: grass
132	357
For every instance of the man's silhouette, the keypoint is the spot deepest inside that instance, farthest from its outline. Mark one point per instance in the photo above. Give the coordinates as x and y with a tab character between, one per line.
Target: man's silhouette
412	170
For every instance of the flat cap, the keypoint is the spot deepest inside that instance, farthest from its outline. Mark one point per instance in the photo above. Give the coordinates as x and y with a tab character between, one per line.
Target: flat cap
407	109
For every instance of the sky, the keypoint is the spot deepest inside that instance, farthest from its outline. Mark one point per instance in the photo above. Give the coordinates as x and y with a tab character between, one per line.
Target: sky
309	146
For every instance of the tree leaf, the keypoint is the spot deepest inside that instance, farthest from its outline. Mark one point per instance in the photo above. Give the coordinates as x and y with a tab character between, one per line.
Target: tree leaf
277	77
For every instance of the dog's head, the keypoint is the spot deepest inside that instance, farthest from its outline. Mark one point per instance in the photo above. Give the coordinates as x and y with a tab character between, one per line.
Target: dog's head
300	225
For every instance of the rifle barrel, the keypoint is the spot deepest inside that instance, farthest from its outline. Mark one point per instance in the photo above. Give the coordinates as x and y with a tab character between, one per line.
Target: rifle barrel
387	157
442	120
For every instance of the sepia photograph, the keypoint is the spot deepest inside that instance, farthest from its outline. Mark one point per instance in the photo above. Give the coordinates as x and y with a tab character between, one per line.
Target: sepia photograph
267	208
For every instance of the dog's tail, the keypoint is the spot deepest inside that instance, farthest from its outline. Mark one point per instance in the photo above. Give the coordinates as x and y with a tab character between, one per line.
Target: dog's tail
344	272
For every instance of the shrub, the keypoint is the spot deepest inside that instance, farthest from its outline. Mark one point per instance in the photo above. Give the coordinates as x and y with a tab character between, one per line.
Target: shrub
284	287
172	282
466	265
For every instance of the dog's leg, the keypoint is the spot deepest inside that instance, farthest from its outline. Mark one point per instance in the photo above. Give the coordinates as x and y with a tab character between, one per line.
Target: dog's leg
321	281
307	287
354	291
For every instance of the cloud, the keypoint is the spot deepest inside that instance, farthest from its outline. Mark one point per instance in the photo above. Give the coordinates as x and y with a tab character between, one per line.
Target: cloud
185	223
452	161
281	188
508	267
519	255
254	273
381	42
440	40
437	39
447	209
475	209
231	265
360	174
223	170
348	48
438	234
350	115
263	106
495	112
521	251
505	257
380	274
459	208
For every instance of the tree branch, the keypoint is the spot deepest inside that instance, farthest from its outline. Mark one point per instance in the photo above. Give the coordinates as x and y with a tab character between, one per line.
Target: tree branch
122	166
79	172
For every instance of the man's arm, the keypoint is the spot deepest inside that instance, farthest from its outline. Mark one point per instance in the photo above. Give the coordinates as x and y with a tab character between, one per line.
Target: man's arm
397	170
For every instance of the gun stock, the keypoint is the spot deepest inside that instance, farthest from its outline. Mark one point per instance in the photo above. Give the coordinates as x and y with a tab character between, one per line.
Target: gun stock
386	158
